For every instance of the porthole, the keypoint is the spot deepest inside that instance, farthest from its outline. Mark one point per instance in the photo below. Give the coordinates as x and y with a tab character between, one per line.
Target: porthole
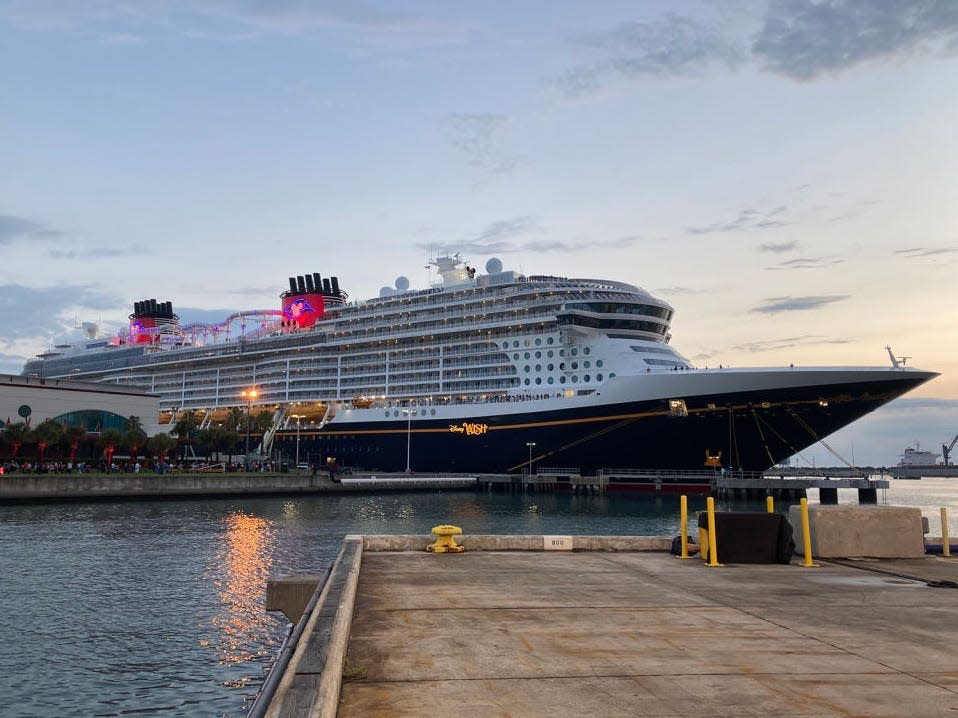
562	380
538	380
575	365
538	355
611	374
587	378
575	351
538	342
562	366
526	368
538	367
575	379
432	412
586	365
550	367
549	340
525	342
387	414
562	352
551	380
515	343
549	353
586	350
396	413
526	382
598	362
526	355
505	345
598	377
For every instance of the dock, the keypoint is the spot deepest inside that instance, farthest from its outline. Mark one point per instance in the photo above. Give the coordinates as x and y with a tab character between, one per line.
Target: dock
616	626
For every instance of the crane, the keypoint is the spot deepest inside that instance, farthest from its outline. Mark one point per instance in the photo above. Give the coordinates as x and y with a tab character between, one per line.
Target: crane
946	450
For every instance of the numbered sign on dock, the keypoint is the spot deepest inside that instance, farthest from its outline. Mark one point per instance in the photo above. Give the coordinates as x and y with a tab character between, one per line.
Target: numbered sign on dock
557	543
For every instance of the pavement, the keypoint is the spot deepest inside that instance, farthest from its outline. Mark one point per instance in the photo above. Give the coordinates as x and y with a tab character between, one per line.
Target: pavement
598	633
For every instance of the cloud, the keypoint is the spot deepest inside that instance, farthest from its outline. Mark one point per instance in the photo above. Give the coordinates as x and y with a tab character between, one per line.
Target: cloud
672	46
747	220
778	247
16	229
675	290
771	345
480	138
120	22
34	317
916	252
806	263
97	253
803	40
774	305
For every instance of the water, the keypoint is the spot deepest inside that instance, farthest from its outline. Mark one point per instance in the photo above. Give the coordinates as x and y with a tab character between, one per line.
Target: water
156	608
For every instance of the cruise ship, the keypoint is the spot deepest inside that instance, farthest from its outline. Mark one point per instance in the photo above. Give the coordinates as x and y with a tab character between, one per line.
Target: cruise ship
486	372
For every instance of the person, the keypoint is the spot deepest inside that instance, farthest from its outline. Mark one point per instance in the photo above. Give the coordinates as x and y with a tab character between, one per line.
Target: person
331	468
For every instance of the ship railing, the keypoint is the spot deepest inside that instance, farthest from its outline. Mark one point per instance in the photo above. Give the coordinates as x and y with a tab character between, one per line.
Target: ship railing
682	473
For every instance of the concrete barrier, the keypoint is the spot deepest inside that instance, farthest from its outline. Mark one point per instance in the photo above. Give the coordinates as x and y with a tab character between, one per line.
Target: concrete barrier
872	531
504	542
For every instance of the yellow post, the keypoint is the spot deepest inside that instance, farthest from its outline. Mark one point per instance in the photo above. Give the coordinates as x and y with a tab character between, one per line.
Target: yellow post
684	525
945	542
807	537
770	504
713	551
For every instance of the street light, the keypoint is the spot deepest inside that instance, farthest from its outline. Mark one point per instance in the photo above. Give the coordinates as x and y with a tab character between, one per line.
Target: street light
530	444
297	417
408	415
249	395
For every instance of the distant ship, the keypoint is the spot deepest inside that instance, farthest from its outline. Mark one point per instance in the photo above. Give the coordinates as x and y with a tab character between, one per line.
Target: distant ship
495	372
915	463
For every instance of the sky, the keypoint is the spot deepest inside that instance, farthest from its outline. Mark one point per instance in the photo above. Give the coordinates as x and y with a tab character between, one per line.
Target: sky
782	172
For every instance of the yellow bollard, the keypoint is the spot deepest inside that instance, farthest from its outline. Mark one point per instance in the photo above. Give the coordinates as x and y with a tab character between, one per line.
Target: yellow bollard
945	541
445	543
713	550
684	525
807	537
770	504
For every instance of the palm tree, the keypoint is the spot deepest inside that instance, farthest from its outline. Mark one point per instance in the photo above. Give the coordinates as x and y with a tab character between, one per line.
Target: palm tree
160	444
133	435
109	440
184	427
236	419
47	433
14	436
72	436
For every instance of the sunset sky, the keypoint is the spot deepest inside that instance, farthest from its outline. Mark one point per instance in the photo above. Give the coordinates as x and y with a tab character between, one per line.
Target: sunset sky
784	173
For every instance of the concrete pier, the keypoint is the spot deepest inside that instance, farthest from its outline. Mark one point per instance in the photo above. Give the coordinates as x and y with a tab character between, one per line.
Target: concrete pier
618	627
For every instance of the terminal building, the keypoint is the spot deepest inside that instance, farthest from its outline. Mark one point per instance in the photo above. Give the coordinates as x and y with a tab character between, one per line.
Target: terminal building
33	400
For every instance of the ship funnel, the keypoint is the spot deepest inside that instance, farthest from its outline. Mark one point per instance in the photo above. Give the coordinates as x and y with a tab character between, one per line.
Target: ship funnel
326	287
301	285
335	283
309	284
153	306
292	284
317	282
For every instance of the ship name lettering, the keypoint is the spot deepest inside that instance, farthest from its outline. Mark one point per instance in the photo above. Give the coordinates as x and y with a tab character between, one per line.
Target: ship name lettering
469	429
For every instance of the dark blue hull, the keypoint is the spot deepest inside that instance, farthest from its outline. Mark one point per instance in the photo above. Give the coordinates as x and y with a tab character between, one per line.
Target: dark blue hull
752	430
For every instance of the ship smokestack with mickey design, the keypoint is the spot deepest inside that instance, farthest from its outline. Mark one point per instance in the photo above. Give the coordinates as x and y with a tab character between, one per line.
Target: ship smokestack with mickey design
305	302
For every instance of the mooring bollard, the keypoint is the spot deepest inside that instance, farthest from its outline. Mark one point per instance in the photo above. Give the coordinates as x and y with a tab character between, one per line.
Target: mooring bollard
684	526
713	550
445	543
770	504
945	541
807	537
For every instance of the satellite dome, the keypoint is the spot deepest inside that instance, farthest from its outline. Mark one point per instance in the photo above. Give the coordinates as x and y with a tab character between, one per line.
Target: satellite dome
386	291
494	266
402	284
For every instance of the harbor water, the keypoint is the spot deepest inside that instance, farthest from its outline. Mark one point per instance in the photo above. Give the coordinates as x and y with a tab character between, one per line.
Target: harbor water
157	607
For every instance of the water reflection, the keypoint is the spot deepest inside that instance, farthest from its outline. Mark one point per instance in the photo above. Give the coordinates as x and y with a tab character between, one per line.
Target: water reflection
240	567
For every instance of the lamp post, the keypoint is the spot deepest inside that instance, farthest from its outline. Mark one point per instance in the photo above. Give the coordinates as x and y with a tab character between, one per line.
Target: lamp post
408	415
530	444
297	417
249	395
